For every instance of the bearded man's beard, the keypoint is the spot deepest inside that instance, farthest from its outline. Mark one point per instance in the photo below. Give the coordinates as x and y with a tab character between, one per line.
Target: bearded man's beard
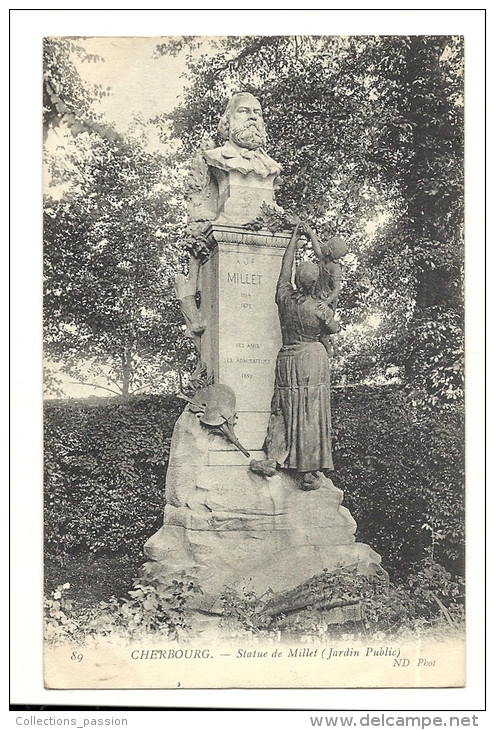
249	135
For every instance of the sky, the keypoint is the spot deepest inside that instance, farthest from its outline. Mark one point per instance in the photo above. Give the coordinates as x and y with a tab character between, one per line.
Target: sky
142	83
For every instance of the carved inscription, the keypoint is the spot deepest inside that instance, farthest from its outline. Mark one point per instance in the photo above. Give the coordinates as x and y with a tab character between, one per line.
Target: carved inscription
256	361
249	330
247	361
244	278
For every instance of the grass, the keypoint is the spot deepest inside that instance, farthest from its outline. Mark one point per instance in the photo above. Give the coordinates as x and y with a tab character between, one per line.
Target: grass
92	578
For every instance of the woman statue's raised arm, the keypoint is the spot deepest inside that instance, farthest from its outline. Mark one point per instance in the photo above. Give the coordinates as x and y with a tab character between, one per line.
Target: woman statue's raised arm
288	259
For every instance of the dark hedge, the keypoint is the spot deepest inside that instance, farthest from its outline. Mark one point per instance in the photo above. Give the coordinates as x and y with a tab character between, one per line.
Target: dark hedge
105	466
402	473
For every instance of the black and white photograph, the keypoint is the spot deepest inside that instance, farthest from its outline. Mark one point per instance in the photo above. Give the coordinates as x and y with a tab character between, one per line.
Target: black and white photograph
254	341
253	313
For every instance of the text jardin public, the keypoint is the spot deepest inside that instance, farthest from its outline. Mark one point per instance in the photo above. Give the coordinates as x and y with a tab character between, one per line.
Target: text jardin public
299	653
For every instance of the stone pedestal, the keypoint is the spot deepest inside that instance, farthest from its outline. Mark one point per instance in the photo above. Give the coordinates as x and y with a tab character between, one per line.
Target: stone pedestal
226	526
223	524
242	337
241	196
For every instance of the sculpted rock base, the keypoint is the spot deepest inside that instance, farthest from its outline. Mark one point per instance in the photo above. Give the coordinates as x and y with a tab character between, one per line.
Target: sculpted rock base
227	526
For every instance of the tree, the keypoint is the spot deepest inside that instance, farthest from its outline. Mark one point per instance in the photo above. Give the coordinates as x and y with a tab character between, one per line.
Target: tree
110	317
67	99
369	132
108	301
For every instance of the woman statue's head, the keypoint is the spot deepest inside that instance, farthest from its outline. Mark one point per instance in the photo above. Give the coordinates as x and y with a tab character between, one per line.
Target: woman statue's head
307	274
335	248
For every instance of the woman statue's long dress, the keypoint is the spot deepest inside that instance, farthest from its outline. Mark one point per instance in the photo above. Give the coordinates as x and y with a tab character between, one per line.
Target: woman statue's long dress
299	429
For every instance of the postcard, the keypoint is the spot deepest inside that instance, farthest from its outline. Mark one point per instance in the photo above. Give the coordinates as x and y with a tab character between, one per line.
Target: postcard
254	361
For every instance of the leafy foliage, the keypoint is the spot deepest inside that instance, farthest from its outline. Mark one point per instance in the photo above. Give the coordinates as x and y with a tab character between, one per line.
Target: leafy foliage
61	79
67	99
245	612
369	133
429	598
110	316
400	468
159	605
109	265
59	623
105	465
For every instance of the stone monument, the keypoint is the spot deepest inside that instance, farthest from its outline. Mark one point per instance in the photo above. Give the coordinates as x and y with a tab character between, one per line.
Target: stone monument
239	508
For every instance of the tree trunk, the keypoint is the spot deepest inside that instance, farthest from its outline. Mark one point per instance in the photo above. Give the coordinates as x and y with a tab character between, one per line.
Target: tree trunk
431	219
126	373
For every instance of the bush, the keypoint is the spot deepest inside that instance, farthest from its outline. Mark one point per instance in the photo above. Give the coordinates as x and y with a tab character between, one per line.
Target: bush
429	598
105	466
401	472
160	607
